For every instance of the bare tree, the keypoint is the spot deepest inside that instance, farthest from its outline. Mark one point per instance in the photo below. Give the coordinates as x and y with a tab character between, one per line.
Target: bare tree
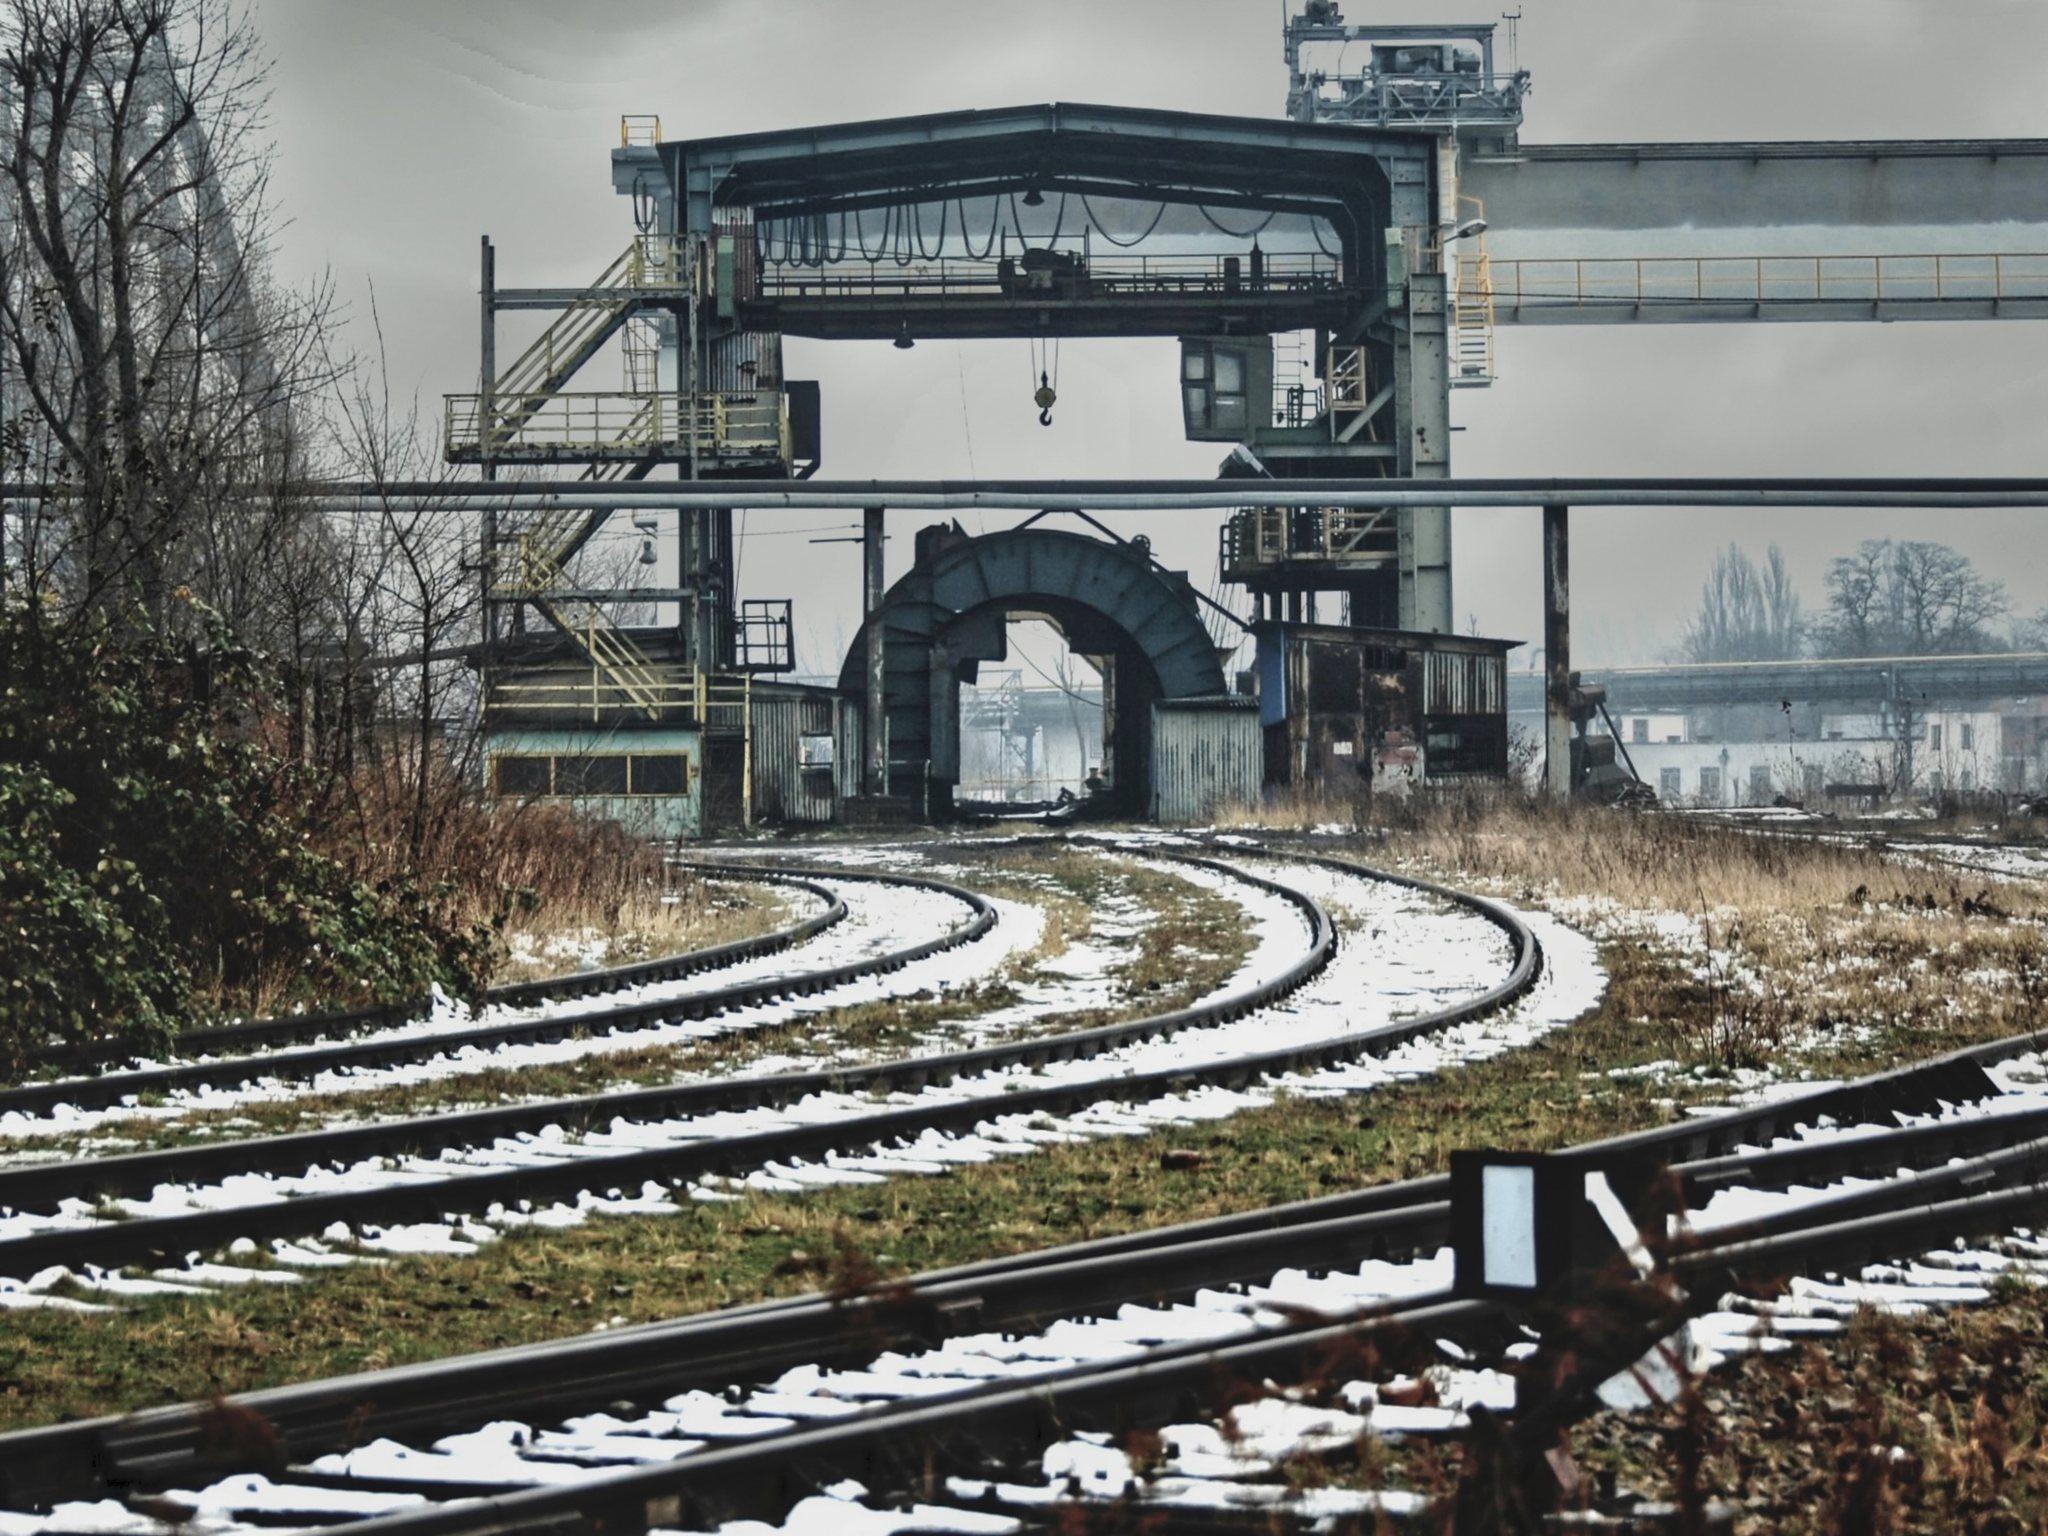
152	369
1746	612
1909	598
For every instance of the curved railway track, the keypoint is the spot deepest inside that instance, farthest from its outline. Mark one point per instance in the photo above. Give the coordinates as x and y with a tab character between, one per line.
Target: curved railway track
978	1369
299	1028
383	1050
672	1135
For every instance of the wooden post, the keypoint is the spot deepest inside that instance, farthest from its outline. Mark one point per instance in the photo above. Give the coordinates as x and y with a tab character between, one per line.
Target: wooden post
1557	653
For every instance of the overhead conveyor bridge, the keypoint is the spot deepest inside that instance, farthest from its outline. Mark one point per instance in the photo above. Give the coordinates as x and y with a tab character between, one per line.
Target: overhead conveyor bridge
1894	229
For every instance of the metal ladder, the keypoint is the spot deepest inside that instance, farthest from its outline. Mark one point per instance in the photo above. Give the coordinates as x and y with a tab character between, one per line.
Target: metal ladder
1472	363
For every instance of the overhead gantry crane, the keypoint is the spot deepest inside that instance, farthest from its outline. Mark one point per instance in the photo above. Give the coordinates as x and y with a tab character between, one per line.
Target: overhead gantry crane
1380	232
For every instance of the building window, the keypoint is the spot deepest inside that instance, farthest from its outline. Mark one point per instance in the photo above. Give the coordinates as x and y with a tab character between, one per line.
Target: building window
522	775
1639	729
1670	784
607	774
1710	785
1934	737
590	775
666	773
1969	738
1759	783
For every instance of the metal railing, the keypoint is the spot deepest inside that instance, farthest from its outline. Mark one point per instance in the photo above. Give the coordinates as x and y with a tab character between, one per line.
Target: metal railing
639	128
1930	277
714	700
1261	539
1428	100
1121	275
736	424
650	261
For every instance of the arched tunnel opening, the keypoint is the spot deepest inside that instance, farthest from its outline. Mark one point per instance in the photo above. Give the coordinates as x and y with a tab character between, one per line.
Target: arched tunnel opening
1031	724
950	617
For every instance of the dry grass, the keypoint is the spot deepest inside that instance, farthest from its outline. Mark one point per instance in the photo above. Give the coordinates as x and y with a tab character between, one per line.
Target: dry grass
1936	1425
640	922
1796	954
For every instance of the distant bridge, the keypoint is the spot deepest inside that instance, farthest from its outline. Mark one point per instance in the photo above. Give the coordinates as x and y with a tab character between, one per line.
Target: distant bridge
1863	680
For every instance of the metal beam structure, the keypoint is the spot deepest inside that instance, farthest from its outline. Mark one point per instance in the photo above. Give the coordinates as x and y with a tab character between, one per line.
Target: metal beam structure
875	716
1902	229
1354	258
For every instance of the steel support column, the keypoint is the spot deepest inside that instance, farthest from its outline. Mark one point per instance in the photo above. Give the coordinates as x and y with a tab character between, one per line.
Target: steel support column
1422	378
1557	652
875	722
488	374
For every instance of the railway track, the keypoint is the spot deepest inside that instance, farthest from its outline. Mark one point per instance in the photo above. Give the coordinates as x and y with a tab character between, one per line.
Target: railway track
640	1147
2005	861
999	1373
392	1045
299	1028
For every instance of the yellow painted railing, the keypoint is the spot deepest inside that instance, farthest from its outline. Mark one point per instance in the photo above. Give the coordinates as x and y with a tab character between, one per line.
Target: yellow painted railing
714	700
750	424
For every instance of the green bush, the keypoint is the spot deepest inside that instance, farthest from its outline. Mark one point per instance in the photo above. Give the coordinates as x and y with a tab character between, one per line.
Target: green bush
156	864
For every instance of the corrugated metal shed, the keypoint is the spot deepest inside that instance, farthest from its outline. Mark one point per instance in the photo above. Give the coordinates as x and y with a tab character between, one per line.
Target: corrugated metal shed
1207	756
795	740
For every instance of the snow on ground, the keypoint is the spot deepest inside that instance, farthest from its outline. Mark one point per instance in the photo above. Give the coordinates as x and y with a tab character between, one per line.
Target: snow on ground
1372	981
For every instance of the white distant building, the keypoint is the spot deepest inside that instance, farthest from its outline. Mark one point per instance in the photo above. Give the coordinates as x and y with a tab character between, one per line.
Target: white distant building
1953	751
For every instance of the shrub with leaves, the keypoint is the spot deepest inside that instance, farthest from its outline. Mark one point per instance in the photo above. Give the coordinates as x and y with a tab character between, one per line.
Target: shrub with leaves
156	863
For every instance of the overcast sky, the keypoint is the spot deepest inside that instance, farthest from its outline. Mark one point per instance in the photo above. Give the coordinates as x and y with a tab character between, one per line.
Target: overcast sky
407	128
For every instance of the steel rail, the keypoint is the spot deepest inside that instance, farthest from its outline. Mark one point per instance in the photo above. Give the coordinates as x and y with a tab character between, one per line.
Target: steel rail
124	1241
165	1444
894	1445
1928	847
706	1351
232	1071
159	1447
293	1028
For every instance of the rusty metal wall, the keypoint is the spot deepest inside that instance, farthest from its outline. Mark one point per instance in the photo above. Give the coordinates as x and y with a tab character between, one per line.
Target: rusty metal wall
1458	683
1207	756
784	790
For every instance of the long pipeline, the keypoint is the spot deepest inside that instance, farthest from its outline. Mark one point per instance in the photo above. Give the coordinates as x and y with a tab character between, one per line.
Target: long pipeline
1154	495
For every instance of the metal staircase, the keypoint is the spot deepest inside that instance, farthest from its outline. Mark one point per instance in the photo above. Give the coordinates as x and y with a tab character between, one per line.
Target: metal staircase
536	376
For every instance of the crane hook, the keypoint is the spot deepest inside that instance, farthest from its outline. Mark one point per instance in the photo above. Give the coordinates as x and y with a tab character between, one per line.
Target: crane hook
1044	396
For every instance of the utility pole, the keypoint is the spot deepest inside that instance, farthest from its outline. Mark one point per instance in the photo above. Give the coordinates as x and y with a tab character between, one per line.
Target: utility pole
875	732
1557	649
